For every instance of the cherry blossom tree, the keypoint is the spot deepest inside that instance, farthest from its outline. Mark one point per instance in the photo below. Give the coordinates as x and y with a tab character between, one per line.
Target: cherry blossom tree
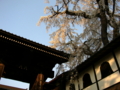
100	20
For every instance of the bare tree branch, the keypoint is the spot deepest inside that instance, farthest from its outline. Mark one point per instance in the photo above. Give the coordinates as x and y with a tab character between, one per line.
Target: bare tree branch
77	13
113	7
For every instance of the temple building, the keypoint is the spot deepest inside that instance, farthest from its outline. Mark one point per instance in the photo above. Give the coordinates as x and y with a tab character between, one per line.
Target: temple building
27	61
99	72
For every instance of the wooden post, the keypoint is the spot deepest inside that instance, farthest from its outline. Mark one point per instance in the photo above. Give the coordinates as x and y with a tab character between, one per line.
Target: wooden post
41	81
1	69
38	85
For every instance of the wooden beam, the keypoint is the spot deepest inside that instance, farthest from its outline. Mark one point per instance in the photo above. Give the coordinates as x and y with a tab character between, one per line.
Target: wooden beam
38	85
1	69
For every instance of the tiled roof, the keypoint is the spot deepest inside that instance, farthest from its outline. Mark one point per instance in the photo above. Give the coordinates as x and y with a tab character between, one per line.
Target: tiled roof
33	45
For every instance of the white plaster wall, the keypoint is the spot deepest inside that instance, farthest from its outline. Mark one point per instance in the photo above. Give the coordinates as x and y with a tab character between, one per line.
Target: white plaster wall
106	82
92	77
76	84
110	80
81	81
110	59
117	53
90	71
67	86
91	87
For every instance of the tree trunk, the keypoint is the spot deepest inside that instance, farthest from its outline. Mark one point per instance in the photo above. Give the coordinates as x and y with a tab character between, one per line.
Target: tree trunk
115	32
103	20
116	29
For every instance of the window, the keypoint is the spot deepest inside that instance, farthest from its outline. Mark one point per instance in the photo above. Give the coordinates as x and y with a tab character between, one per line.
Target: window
105	69
86	80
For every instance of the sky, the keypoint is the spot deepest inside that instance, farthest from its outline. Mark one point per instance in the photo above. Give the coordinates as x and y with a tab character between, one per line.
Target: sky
20	17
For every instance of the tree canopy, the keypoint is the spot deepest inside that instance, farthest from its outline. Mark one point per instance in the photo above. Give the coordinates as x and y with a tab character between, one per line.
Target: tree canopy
100	20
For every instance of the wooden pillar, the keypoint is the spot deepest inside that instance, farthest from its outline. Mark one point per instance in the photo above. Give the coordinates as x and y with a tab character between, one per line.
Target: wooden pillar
38	85
1	69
